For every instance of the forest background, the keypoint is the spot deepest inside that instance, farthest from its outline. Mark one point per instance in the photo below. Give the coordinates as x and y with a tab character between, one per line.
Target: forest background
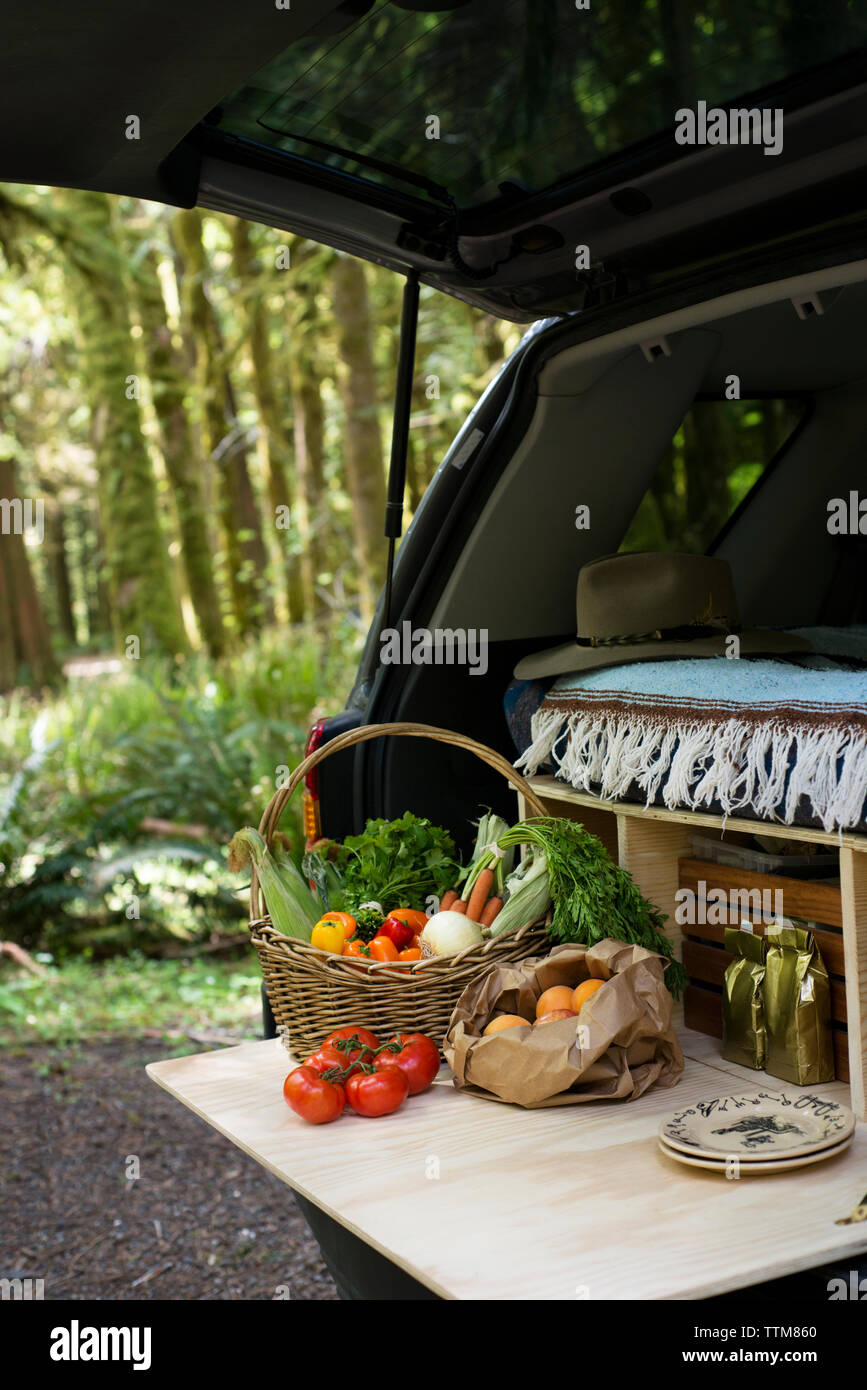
197	410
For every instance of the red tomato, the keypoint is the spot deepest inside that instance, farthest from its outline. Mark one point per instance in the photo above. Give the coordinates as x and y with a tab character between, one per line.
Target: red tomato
316	1101
418	1059
366	1039
397	931
383	948
378	1092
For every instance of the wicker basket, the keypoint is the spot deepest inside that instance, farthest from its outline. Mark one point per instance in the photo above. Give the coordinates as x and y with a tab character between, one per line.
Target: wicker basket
313	992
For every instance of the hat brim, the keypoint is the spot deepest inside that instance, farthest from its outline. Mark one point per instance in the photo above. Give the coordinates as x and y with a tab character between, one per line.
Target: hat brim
571	656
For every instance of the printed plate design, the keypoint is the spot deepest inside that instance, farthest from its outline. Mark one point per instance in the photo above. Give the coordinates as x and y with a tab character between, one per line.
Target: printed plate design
781	1165
763	1125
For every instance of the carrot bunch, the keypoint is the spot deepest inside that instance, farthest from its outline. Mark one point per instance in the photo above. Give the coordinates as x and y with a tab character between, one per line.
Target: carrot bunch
481	895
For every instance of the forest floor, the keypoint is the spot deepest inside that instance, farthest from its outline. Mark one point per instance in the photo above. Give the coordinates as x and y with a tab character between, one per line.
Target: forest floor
203	1221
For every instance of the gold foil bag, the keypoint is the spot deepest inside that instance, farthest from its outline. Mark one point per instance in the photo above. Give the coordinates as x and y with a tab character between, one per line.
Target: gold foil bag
743	1013
797	1008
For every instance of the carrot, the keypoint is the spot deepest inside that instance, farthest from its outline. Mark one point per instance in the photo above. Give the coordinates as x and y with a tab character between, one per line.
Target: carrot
458	906
479	896
448	899
492	907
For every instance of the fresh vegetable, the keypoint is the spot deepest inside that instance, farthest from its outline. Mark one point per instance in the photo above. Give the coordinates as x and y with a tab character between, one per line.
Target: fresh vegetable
492	909
328	936
352	1043
357	948
377	1092
383	948
449	932
529	894
412	916
398	931
346	920
447	900
405	860
458	906
312	1097
368	921
593	897
479	896
487	855
325	1059
418	1059
290	903
318	865
411	953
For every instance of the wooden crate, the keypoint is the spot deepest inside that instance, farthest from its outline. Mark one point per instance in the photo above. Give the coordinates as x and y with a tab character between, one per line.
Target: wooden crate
706	959
650	841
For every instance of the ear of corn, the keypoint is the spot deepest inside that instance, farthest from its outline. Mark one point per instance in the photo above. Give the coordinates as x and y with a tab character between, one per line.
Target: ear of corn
291	905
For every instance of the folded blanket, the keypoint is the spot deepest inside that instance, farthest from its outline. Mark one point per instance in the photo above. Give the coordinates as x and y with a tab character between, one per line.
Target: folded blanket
757	737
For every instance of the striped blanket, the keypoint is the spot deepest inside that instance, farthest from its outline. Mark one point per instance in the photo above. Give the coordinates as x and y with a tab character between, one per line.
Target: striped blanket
770	739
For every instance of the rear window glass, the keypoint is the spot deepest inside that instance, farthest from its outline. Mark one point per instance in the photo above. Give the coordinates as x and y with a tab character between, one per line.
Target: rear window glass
717	457
454	103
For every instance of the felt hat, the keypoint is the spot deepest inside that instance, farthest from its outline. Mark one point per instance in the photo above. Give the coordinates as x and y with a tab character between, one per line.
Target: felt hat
651	606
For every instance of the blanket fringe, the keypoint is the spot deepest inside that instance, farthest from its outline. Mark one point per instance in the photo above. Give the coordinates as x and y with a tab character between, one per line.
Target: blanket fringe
767	768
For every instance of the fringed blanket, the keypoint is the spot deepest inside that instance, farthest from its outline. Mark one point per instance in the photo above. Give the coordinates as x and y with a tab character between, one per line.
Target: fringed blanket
753	737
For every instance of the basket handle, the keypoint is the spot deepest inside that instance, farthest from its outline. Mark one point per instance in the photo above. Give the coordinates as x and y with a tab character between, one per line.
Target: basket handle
365	732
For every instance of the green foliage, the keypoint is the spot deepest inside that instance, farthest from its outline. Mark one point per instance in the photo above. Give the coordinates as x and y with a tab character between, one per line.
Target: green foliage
197	744
79	1001
397	863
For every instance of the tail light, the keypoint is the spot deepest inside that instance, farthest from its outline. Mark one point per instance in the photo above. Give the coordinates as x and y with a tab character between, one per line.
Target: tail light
310	808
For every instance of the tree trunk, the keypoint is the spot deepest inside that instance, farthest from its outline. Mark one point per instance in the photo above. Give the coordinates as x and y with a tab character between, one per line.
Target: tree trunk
362	443
270	404
239	517
61	587
167	369
309	424
143	603
25	642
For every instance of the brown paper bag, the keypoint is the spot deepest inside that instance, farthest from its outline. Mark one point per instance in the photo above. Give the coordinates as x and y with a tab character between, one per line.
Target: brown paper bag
621	1043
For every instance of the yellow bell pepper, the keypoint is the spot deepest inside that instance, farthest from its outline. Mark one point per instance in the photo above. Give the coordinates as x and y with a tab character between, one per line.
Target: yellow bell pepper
328	936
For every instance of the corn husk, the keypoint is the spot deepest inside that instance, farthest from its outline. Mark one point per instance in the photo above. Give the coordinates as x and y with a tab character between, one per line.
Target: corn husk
291	906
529	894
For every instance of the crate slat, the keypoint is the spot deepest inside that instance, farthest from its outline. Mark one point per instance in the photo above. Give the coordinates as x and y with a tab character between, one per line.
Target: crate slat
811	899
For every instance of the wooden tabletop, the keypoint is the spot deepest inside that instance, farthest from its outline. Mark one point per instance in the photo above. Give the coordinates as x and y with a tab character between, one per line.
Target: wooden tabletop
477	1199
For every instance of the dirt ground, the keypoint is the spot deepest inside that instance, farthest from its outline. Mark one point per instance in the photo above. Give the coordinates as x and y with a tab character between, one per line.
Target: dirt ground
203	1221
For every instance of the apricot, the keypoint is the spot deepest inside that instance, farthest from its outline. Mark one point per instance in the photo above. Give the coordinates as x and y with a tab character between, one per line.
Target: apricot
497	1025
583	992
556	1014
557	997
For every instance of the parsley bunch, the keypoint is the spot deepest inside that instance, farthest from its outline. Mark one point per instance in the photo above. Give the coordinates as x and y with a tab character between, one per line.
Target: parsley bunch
397	863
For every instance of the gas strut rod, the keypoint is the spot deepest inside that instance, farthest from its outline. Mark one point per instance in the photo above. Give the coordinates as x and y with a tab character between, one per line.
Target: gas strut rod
400	430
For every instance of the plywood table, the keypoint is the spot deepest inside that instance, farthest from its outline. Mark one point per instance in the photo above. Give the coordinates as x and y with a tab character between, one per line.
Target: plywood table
477	1199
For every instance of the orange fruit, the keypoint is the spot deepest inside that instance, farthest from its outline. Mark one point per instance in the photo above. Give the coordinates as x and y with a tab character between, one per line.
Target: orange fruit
557	997
582	993
497	1025
554	1015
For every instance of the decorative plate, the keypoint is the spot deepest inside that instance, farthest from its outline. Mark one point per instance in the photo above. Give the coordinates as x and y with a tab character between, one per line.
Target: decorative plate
763	1124
781	1165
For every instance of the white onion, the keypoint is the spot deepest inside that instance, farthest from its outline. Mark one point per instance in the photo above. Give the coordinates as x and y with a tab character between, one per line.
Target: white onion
449	932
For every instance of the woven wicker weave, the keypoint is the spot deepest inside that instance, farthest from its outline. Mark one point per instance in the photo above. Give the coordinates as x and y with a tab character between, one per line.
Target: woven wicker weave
312	992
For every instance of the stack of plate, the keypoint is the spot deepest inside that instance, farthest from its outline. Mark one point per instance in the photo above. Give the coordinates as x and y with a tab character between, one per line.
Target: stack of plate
765	1131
